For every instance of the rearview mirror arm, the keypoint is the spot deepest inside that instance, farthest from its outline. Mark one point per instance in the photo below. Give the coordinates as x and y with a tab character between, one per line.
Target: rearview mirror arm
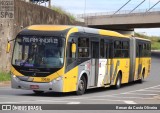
11	40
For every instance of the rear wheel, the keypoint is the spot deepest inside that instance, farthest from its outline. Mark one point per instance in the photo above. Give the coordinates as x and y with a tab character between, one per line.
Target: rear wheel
38	92
142	78
118	81
81	86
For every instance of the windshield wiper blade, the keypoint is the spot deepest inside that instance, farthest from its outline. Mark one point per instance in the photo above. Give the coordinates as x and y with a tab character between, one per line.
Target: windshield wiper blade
35	70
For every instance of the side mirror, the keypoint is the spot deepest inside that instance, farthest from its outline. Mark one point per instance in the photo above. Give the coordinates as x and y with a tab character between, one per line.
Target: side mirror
73	48
8	47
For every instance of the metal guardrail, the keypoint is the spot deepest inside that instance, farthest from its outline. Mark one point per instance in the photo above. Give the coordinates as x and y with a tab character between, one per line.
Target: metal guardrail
124	12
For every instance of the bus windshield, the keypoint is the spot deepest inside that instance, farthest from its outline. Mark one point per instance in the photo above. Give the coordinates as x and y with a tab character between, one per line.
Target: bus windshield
38	51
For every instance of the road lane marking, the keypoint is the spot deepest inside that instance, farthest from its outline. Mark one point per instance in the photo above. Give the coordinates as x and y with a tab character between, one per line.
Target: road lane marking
3	97
140	94
6	89
33	101
90	98
129	92
130	102
108	100
140	89
8	102
131	97
150	90
73	103
52	101
155	88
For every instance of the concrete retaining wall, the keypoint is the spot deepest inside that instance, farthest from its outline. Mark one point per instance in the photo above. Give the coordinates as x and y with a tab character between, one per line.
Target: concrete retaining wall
25	14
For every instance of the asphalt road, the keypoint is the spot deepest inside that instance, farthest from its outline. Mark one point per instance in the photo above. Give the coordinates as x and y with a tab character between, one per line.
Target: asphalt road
133	93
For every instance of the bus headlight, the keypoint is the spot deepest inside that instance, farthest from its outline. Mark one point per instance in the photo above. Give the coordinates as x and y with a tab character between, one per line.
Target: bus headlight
59	78
30	79
15	77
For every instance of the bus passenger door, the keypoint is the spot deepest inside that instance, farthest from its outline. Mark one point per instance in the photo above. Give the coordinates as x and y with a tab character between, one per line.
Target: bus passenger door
94	63
140	49
107	78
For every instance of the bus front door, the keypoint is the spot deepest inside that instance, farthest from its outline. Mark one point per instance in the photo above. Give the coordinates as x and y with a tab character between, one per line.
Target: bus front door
94	63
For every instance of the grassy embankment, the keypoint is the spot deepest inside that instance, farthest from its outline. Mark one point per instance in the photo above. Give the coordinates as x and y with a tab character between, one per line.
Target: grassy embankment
62	11
4	76
155	40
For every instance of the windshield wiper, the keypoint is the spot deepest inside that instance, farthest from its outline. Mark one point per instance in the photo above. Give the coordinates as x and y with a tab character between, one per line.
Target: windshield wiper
35	70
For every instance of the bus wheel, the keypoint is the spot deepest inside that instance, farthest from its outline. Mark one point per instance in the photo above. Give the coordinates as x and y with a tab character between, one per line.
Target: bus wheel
38	92
118	81
142	78
81	86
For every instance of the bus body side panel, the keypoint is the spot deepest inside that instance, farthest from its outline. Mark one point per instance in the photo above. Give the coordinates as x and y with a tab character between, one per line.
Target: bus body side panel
121	64
70	80
70	76
132	59
84	69
107	77
139	61
140	65
94	80
136	69
102	72
146	65
142	62
125	63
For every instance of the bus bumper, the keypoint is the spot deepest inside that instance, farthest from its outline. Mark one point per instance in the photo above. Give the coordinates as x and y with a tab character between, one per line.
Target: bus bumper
55	86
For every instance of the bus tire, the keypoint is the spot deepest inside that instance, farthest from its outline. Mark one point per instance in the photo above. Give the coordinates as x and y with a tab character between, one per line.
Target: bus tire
142	78
118	81
38	92
81	86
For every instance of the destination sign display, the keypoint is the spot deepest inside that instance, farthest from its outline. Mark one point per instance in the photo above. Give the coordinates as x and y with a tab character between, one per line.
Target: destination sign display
40	40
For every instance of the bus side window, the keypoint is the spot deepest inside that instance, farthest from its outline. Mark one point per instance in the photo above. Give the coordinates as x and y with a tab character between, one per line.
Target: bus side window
107	50
102	48
83	47
149	49
117	49
137	50
111	52
143	50
125	49
71	56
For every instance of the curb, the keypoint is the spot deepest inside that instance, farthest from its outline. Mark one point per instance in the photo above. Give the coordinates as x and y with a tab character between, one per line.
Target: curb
5	83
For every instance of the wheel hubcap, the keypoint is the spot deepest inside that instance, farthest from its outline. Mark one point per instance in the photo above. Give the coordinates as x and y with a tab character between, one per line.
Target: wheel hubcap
81	85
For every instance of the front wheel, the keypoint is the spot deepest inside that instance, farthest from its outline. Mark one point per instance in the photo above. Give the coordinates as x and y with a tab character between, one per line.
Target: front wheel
81	86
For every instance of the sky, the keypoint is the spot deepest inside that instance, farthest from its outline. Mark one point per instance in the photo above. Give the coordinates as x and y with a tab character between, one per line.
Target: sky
76	7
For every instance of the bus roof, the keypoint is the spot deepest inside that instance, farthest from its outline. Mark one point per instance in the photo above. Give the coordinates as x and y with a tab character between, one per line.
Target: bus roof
142	39
48	27
80	29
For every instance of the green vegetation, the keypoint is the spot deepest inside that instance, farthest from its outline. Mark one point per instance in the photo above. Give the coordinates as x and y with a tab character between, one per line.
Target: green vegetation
5	76
62	11
155	40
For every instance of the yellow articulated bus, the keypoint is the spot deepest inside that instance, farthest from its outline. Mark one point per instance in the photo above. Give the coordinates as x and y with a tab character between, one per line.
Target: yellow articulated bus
64	58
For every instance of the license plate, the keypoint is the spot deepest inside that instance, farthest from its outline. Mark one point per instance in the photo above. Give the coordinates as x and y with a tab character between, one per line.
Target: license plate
34	86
